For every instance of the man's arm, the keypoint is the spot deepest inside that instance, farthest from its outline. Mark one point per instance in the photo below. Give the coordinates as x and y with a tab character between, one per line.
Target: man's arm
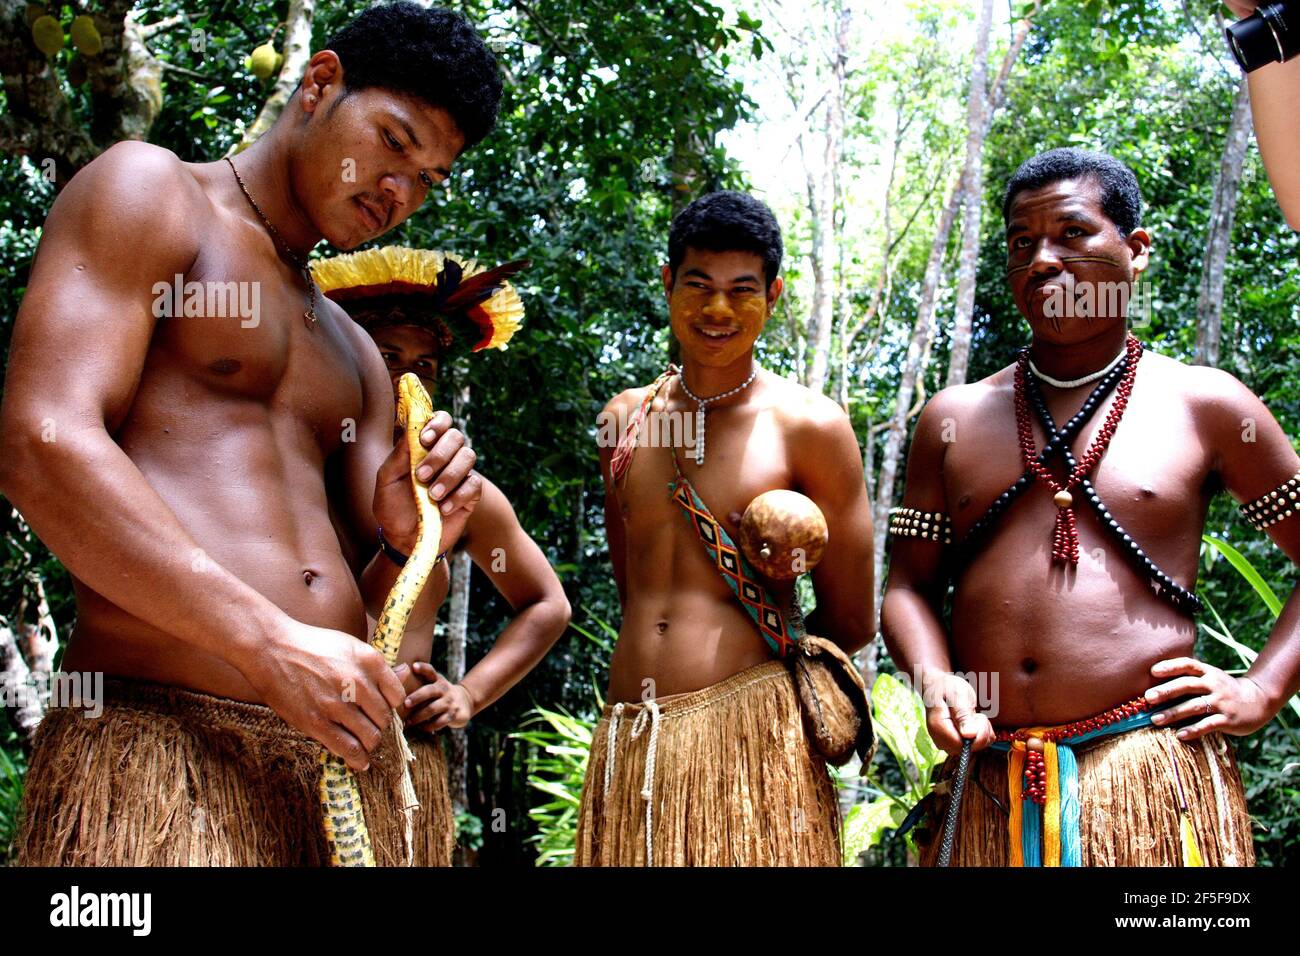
1274	90
1252	456
79	347
518	569
828	469
376	474
911	612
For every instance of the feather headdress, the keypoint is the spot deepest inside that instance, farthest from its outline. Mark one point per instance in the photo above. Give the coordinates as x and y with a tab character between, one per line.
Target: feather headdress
466	305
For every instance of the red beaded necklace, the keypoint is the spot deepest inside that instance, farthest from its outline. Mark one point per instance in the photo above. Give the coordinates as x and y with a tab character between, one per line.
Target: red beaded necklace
1065	534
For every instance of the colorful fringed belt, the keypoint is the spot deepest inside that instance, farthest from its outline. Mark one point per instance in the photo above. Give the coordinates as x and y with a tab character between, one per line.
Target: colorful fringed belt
1043	781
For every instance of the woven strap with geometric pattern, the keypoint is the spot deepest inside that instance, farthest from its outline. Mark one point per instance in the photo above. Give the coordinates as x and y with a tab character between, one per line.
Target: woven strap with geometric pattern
781	631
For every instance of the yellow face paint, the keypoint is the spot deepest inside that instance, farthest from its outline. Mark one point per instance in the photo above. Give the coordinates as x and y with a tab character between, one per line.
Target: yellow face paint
716	326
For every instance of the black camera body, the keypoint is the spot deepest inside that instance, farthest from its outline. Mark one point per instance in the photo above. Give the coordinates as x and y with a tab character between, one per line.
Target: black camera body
1269	35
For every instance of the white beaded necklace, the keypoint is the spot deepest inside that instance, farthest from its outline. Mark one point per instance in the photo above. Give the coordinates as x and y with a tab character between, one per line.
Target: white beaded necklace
703	403
1076	382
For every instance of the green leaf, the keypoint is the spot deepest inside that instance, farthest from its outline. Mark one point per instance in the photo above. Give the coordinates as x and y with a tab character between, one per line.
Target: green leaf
1247	654
865	824
1247	571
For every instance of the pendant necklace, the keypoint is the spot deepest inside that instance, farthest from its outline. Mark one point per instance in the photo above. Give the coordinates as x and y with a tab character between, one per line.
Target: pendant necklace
309	316
702	405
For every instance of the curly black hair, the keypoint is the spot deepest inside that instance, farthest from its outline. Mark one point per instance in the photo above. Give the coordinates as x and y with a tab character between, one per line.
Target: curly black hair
1121	199
433	54
726	220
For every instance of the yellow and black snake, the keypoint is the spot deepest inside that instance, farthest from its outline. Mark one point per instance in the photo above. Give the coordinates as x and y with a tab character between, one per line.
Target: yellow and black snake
345	824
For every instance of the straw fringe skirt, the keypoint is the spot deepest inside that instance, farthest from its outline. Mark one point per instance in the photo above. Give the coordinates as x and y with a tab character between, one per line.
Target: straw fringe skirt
170	777
730	774
435	828
1129	810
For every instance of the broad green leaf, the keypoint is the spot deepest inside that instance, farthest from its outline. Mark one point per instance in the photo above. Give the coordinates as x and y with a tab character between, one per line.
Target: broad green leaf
866	823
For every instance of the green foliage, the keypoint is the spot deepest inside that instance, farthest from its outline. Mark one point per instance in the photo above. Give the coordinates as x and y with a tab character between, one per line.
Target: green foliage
469	830
12	768
899	719
1269	760
559	743
1247	571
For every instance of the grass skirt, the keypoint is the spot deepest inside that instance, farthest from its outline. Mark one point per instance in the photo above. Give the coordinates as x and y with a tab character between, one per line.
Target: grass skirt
435	830
732	781
170	777
1128	799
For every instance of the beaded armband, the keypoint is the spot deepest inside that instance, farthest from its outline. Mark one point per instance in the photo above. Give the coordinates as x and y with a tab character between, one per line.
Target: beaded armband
1270	508
910	523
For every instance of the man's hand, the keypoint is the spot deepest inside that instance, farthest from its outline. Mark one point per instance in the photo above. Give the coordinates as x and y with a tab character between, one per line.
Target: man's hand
951	716
334	688
1232	705
447	470
1242	8
433	702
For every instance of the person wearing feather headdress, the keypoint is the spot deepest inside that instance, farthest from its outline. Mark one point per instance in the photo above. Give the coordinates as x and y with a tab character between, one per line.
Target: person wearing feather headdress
423	309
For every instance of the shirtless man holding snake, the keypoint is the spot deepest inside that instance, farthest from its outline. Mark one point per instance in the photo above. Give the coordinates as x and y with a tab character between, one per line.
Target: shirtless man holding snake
204	471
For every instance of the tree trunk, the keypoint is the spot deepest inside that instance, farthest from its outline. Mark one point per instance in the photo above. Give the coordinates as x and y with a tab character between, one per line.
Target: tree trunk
124	81
18	684
38	121
27	661
688	173
297	51
973	182
457	634
972	189
916	350
1223	208
821	205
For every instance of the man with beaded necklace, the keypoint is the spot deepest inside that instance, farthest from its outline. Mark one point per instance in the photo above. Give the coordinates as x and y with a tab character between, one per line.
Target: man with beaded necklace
215	474
701	757
1072	550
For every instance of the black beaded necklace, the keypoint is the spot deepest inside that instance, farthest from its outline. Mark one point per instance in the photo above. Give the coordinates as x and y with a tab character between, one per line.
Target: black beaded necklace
1059	443
1164	585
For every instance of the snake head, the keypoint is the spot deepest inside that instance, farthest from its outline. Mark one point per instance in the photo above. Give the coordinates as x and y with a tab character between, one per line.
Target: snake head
413	400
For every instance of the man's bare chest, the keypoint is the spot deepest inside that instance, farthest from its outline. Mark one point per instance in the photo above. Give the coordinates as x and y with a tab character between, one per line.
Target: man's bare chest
235	327
743	458
1154	472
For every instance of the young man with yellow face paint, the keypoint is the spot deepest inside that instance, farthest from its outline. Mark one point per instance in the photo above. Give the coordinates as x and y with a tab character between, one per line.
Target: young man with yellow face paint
701	757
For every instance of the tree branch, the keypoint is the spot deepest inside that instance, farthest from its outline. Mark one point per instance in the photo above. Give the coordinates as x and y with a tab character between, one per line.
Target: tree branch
150	30
297	52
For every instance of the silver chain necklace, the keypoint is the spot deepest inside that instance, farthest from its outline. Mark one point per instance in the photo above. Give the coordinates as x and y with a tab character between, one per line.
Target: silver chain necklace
309	316
703	403
1076	382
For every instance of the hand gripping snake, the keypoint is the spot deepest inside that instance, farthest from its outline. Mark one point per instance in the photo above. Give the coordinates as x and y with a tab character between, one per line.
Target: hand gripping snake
345	824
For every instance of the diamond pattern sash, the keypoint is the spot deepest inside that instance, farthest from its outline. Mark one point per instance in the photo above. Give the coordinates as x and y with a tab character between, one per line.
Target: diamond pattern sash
782	632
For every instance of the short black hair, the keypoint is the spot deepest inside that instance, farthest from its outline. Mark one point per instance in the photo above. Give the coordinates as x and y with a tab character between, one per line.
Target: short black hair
431	53
1121	199
726	220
